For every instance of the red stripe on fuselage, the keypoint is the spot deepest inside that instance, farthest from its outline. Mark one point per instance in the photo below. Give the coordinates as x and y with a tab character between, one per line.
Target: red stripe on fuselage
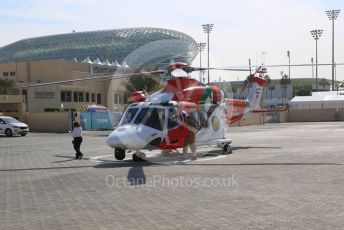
235	110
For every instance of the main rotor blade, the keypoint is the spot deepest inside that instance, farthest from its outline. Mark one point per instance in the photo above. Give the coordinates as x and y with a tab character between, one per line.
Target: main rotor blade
283	65
109	77
246	68
226	69
299	65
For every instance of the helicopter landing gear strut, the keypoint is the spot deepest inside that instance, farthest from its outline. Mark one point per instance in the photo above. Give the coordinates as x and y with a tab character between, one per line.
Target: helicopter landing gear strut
119	154
139	156
227	149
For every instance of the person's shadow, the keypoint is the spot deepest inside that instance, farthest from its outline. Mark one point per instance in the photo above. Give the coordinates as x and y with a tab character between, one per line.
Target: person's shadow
136	176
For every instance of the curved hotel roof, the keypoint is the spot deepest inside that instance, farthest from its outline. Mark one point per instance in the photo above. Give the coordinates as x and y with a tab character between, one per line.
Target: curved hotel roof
134	46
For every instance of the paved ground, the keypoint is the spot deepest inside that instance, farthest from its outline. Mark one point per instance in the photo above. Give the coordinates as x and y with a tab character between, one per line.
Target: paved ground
280	176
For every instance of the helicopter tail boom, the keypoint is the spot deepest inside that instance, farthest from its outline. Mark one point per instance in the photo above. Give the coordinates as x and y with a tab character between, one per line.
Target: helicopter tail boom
239	109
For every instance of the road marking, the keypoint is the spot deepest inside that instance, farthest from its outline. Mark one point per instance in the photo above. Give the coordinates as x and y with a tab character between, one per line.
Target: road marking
215	157
96	159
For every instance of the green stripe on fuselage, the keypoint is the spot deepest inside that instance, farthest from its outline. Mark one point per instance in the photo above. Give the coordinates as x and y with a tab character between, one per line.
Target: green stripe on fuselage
207	92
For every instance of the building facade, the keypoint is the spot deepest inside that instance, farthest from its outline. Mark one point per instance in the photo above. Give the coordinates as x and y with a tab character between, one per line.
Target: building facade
84	55
135	46
56	97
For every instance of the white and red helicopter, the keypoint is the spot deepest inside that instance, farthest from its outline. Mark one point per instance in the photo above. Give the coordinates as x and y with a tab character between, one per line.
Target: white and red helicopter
156	121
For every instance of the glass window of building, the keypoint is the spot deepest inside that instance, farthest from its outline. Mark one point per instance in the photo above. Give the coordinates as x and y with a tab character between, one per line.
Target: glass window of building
99	98
87	96
93	97
81	96
63	96
115	98
24	93
122	42
5	74
12	74
68	96
75	96
120	99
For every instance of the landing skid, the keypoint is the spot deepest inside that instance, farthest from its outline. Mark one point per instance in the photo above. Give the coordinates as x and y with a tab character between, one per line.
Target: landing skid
224	144
139	157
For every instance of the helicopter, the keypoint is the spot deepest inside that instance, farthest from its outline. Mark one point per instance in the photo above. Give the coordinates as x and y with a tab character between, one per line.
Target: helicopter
158	121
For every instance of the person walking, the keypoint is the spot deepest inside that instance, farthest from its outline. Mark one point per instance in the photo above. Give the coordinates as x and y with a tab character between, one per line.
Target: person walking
77	139
190	140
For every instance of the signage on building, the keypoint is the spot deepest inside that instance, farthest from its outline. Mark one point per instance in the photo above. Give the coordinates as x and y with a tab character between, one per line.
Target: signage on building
81	108
45	95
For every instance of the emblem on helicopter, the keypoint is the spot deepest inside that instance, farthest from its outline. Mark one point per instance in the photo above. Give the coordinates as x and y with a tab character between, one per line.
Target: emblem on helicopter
216	123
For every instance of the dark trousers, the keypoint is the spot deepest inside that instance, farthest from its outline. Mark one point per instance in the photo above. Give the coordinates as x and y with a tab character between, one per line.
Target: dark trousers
76	143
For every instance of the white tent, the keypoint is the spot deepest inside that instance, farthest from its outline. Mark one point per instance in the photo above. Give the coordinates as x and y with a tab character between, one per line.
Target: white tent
87	60
106	62
116	64
124	65
97	62
319	100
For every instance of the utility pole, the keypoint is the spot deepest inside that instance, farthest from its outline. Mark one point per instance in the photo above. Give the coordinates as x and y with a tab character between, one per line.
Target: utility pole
316	35
288	55
207	29
200	46
332	15
312	67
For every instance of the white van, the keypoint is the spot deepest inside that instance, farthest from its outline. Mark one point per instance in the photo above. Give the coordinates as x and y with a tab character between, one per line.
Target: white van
10	126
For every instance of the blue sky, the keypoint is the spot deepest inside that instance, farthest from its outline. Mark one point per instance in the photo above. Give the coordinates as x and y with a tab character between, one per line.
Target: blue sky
243	29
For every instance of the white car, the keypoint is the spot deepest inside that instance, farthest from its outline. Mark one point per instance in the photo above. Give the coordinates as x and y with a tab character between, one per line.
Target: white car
10	126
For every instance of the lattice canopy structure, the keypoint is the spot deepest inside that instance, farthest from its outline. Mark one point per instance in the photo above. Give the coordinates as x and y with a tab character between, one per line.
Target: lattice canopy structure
135	46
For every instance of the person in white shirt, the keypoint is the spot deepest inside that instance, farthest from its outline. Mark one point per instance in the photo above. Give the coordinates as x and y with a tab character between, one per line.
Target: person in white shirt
76	133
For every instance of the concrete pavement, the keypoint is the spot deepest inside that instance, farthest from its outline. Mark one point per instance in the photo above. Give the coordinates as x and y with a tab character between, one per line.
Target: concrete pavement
280	176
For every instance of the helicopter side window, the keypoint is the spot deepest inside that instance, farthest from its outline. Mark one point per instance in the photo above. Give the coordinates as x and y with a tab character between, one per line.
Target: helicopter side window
203	119
195	115
129	115
174	117
152	117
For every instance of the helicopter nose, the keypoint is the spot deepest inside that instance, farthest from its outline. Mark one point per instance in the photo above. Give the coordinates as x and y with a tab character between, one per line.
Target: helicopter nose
113	140
129	138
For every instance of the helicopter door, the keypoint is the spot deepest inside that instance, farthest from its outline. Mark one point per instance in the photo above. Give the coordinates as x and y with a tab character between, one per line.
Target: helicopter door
176	131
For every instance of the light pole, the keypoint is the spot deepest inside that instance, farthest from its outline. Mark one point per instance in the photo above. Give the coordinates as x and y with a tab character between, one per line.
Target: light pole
332	15
335	72
288	55
281	72
316	35
312	67
200	46
207	29
263	57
